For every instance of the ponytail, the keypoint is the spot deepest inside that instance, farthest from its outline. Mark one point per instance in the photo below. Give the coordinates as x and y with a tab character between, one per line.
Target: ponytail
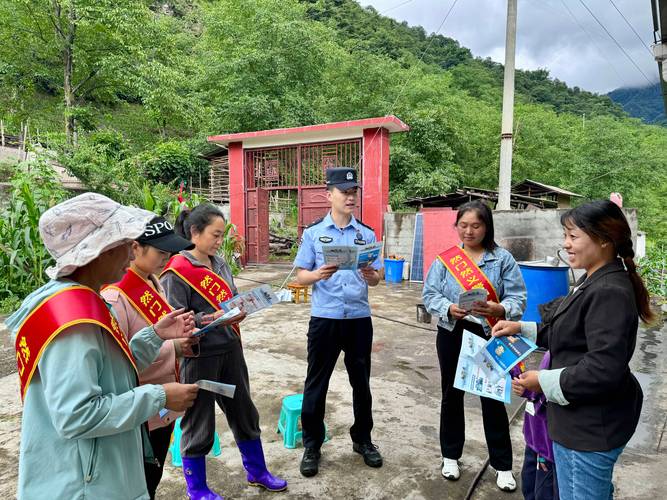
642	297
179	226
197	218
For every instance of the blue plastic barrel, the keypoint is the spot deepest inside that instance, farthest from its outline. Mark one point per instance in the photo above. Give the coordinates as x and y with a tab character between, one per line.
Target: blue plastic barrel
393	270
544	283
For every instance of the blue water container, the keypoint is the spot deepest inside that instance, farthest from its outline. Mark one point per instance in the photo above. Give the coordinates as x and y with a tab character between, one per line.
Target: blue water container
544	283
393	270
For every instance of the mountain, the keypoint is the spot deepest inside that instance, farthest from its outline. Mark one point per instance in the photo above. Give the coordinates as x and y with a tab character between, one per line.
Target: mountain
642	102
363	28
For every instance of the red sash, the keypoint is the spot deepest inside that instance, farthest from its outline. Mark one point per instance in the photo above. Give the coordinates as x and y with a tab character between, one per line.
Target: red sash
468	274
212	287
150	304
67	307
143	297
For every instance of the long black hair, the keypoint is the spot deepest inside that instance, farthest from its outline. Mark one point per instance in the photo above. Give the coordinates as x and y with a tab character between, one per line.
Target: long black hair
604	221
485	215
198	218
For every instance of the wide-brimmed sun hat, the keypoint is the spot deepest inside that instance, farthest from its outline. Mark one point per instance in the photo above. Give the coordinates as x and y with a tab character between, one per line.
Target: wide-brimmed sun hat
78	230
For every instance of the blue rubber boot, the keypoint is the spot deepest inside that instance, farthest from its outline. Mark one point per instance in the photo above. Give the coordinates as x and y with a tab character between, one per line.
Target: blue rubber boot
194	470
252	455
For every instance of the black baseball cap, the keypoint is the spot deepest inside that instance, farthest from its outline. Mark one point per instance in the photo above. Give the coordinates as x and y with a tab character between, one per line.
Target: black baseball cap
159	233
343	178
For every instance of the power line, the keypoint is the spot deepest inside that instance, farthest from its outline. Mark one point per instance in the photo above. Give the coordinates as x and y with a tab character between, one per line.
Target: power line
616	42
412	69
395	7
632	28
592	38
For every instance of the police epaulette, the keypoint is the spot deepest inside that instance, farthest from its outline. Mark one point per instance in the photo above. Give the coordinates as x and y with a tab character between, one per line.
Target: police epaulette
365	225
314	223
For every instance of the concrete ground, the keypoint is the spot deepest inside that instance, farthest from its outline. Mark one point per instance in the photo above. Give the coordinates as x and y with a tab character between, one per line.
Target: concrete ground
406	395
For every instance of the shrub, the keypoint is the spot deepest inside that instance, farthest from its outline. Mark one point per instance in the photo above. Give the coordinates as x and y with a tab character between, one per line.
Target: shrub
168	162
23	257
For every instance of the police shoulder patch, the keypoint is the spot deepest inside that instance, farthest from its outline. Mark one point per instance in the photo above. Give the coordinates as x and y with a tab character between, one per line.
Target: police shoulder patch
365	225
315	223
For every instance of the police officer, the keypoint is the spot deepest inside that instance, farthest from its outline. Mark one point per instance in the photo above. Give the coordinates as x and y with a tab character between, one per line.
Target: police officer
340	321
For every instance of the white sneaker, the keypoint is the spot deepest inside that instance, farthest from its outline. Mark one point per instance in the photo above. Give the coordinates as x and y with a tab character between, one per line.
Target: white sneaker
450	469
505	480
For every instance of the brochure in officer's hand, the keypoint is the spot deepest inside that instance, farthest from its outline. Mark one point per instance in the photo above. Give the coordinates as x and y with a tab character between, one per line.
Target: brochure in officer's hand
350	258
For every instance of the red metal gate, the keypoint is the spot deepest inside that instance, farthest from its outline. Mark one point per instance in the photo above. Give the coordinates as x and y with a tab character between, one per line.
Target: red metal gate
257	229
302	168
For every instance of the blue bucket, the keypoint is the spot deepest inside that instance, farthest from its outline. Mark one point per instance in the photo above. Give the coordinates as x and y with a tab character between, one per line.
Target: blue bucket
544	283
393	270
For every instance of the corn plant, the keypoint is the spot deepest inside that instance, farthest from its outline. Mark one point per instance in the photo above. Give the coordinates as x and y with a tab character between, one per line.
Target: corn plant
23	257
232	248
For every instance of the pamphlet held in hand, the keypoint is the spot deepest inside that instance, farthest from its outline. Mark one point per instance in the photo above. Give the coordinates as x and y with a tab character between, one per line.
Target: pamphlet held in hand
501	354
467	299
350	258
473	378
252	301
227	316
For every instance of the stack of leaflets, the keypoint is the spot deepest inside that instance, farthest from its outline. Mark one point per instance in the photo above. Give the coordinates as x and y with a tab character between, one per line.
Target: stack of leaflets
483	367
467	299
252	301
351	258
228	315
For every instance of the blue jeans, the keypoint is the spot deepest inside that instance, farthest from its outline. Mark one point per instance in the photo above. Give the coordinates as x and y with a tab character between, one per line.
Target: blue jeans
585	475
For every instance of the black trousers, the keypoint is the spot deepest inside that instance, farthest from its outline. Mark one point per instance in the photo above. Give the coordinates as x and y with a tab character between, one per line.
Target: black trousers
160	439
538	481
326	339
452	419
198	423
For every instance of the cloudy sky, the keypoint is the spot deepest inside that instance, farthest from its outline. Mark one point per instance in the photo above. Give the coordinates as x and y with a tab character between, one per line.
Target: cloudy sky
560	35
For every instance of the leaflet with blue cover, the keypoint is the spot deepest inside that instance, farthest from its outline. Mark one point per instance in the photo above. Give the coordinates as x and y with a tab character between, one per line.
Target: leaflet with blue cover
501	354
471	377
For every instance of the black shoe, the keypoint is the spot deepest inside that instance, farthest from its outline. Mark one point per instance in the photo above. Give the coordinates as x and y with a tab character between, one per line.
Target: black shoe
310	462
370	452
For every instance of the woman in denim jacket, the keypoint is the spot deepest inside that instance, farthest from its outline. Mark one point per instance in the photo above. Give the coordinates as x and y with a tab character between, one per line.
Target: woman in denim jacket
474	224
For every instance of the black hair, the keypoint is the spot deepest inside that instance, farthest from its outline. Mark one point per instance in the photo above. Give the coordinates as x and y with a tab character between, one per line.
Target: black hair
604	221
198	218
486	216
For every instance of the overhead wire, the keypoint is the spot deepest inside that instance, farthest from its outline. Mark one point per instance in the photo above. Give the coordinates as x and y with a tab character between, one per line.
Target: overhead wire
622	49
412	69
632	28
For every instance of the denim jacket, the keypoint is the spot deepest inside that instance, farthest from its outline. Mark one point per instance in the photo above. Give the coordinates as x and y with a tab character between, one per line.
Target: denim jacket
441	289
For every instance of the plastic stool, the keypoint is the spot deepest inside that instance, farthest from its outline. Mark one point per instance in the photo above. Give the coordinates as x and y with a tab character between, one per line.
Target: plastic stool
290	420
175	445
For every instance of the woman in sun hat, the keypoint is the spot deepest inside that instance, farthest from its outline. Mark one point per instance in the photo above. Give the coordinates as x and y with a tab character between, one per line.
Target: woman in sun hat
139	301
82	433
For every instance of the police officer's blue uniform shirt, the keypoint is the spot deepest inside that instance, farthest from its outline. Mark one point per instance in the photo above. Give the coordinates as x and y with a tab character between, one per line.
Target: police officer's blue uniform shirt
345	294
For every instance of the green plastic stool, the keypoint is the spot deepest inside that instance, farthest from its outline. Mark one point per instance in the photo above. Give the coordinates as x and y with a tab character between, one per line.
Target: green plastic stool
175	446
290	420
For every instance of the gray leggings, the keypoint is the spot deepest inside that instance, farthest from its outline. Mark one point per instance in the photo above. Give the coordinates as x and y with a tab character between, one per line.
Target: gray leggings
198	423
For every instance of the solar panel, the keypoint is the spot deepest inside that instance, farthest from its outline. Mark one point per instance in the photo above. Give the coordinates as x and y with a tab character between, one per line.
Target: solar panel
417	267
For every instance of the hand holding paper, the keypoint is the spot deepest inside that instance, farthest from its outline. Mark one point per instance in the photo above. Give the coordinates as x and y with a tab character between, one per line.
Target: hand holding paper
350	258
468	299
232	316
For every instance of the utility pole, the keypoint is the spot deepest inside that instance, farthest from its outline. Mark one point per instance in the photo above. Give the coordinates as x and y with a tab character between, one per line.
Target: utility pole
505	174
